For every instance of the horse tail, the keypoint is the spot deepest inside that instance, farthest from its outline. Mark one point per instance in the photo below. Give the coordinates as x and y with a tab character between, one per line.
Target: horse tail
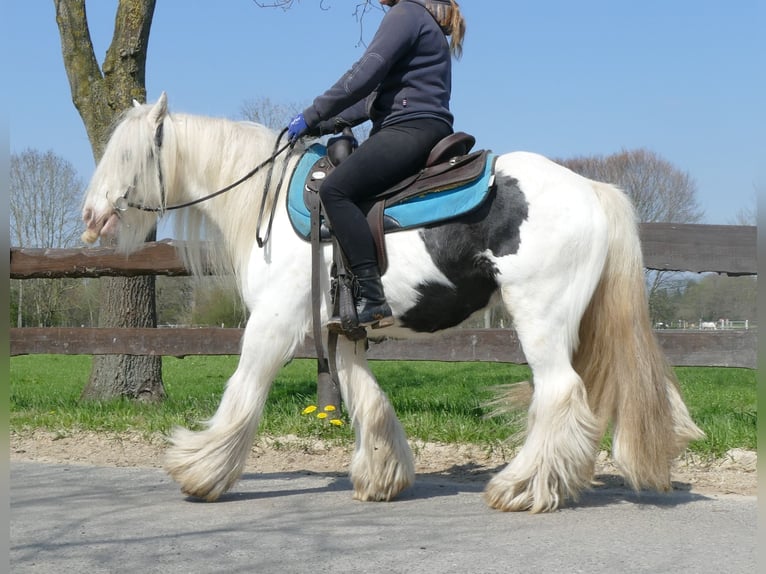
627	376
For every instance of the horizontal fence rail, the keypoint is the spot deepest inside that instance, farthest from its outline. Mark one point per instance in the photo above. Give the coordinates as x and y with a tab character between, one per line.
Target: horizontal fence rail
683	348
723	249
728	249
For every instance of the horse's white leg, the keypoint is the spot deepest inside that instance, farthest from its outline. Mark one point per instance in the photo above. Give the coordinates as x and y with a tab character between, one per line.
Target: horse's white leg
557	458
382	464
547	300
207	463
546	287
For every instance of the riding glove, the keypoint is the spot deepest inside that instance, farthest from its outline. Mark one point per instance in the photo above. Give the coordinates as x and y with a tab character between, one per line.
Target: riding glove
297	128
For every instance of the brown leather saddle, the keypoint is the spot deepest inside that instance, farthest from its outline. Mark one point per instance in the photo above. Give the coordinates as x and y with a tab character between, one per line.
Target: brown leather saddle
449	165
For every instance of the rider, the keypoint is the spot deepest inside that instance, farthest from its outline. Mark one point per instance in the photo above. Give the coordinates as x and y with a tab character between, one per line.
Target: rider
402	83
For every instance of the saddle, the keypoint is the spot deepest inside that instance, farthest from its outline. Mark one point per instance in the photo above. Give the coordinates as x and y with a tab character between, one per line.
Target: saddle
449	166
450	170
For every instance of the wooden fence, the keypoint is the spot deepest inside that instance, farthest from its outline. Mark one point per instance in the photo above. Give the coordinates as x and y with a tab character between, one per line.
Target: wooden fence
729	250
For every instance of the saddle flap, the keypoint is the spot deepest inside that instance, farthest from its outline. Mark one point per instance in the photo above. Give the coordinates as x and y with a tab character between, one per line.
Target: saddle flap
440	177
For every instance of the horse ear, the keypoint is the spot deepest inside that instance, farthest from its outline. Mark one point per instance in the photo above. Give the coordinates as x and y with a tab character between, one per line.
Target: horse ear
136	103
159	111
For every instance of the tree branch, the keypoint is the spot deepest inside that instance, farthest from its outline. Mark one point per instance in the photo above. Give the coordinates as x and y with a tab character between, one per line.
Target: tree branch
100	94
360	10
125	62
80	61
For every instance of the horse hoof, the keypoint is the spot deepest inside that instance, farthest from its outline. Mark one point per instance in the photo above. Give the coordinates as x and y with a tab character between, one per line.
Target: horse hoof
509	496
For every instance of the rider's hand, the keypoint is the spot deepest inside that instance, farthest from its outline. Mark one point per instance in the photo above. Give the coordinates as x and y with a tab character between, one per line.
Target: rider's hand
297	128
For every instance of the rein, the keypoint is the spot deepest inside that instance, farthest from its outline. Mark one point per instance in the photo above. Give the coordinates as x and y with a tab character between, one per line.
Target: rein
125	204
258	239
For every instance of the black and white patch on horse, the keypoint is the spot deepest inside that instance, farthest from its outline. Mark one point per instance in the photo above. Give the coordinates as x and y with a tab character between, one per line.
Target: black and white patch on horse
561	252
465	251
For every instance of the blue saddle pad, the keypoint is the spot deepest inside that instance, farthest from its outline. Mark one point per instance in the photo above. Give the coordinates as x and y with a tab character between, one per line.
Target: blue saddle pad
425	209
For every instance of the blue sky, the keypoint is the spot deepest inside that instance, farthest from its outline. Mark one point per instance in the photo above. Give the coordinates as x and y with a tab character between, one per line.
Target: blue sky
684	79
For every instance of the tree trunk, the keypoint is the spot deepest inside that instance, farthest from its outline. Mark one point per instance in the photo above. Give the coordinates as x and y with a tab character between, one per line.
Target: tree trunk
100	95
133	376
126	302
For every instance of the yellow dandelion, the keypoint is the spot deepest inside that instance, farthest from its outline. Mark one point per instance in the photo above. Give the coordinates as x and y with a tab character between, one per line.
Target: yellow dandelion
322	416
330	408
336	422
308	410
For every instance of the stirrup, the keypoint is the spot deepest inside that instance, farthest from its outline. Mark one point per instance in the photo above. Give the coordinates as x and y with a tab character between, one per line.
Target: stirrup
353	333
335	325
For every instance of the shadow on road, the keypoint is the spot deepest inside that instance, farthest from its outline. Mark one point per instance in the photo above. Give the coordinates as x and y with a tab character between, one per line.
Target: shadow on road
607	489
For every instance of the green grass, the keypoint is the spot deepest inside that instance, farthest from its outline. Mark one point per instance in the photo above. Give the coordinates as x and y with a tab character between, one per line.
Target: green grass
723	404
442	402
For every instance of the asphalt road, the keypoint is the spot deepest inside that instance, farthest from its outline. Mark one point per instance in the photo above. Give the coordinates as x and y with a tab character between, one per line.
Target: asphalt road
82	519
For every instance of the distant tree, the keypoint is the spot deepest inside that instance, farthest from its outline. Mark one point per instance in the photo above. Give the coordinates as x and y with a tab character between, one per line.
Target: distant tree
80	306
174	300
276	116
717	297
218	304
268	113
748	214
44	198
101	94
659	191
663	307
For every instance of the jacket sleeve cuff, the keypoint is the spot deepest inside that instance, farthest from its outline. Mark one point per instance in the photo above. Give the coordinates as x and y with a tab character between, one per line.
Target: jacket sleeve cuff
330	126
311	116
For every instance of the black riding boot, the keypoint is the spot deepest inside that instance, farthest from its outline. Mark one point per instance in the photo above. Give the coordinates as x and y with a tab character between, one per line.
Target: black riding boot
371	307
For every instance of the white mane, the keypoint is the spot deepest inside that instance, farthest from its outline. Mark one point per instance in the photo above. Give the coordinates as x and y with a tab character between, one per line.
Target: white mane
199	155
216	153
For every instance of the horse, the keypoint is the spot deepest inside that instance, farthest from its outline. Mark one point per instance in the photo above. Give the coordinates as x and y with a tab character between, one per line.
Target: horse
559	251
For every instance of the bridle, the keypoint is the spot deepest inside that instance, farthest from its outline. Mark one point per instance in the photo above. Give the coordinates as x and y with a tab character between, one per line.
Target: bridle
123	203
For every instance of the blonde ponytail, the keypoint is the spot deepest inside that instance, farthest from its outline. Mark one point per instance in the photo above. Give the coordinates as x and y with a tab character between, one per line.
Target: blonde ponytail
448	15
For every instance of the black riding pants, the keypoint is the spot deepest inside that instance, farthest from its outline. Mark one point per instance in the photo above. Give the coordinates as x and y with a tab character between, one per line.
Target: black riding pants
385	158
